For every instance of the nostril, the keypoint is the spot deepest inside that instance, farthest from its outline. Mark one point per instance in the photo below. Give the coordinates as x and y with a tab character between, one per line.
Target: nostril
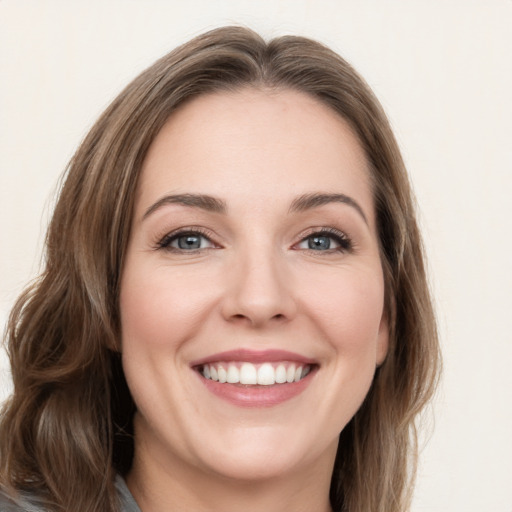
240	318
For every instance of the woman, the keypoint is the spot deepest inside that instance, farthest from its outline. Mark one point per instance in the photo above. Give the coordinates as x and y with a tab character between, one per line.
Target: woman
234	311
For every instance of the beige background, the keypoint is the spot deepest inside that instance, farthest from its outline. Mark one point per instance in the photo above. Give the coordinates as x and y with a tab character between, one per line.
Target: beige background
443	71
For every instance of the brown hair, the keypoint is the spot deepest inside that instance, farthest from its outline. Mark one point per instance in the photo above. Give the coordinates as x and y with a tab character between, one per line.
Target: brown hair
66	429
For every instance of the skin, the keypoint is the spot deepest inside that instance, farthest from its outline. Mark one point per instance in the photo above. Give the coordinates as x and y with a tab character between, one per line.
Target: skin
254	284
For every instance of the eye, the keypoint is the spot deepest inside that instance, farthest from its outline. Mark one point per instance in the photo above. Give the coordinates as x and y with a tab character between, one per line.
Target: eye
326	241
186	241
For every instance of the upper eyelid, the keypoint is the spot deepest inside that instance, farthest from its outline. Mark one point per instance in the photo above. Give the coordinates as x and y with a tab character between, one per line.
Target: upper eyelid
189	229
329	230
172	235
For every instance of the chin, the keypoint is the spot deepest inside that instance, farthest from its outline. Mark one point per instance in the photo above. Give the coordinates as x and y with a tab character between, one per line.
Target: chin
255	466
265	454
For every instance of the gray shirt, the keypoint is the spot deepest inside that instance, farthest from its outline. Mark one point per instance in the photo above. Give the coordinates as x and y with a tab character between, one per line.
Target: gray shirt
128	503
27	504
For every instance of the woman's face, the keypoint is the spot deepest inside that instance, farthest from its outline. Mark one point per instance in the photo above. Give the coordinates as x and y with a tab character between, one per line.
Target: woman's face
252	294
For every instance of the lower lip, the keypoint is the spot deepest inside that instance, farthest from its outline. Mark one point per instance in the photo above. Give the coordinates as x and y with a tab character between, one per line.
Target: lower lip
257	396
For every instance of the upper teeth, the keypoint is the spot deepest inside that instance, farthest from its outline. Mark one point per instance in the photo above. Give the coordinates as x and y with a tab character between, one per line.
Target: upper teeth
265	374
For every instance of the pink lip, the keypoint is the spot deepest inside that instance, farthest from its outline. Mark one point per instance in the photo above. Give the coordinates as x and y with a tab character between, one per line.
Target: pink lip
256	396
254	356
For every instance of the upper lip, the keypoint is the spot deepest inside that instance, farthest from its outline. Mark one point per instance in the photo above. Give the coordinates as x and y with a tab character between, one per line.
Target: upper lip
254	356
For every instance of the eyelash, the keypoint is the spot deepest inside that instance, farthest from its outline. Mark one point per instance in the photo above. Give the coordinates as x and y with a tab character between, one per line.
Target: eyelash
344	242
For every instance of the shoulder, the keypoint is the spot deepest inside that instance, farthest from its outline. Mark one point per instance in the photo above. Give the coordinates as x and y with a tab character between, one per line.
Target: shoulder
28	504
22	505
128	503
7	505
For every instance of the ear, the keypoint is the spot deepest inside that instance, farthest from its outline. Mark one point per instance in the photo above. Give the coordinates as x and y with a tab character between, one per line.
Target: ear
382	346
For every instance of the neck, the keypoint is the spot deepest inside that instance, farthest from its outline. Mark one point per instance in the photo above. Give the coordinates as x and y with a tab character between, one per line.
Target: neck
175	486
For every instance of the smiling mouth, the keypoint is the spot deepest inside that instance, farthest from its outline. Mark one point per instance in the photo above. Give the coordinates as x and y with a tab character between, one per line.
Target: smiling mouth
256	378
249	374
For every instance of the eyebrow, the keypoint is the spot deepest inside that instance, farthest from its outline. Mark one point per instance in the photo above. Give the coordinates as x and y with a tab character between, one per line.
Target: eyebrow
216	205
204	202
315	200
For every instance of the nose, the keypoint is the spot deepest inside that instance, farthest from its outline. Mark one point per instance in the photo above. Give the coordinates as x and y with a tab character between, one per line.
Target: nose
259	291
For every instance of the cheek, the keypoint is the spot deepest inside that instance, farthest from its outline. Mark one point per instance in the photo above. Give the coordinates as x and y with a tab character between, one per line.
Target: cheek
348	307
162	306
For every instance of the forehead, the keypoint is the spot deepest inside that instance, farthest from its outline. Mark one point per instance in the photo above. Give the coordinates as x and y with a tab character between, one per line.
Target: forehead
266	144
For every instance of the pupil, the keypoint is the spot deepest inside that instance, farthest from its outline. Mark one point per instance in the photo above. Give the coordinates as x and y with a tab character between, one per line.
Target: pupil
319	242
189	242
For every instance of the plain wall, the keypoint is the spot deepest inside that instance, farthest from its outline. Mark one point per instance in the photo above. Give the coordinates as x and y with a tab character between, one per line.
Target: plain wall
443	72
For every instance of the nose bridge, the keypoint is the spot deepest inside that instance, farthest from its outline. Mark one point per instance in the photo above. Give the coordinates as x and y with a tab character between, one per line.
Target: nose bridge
259	287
